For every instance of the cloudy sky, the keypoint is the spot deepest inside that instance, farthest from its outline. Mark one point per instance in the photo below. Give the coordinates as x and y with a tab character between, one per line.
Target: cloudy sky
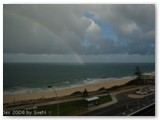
79	33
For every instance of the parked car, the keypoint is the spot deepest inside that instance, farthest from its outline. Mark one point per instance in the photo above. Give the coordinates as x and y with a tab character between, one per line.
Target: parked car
152	88
141	91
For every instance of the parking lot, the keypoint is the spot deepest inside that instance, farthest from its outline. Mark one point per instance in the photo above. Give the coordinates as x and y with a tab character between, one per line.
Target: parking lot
146	90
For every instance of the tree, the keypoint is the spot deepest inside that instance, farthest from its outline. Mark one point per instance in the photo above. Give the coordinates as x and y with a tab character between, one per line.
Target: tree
107	91
85	93
138	73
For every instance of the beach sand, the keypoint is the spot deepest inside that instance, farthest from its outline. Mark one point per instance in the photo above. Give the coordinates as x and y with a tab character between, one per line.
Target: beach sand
63	92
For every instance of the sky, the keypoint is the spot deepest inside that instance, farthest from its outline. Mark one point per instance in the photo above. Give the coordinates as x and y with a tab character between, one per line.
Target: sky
79	33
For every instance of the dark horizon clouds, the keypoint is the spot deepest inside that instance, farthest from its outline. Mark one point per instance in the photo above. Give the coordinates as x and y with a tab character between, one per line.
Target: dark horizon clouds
79	29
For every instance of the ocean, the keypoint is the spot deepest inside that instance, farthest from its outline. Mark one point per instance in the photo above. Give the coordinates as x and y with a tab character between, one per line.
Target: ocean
33	77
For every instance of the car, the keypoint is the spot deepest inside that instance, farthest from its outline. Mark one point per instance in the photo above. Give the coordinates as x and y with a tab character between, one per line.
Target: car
138	91
152	89
147	90
141	91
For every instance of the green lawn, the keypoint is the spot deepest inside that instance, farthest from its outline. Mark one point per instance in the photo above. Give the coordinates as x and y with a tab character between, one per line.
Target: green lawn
104	99
67	108
71	108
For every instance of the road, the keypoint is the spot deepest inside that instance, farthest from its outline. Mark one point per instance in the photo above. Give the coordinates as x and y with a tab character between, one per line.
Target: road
149	111
124	106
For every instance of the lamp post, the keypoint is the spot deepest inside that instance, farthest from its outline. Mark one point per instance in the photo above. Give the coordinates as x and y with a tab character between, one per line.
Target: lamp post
57	99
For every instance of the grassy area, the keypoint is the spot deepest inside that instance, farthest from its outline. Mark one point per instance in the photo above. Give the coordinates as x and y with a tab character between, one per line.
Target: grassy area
67	108
105	99
71	108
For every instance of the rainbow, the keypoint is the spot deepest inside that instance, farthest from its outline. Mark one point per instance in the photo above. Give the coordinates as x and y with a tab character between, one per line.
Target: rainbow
46	28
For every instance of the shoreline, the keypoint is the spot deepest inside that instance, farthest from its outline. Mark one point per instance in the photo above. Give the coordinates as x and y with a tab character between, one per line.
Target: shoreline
63	92
85	82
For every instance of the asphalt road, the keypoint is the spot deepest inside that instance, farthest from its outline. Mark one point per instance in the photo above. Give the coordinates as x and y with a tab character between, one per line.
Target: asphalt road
150	111
123	107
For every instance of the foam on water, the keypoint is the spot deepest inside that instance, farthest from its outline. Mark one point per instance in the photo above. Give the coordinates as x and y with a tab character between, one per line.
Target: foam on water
29	78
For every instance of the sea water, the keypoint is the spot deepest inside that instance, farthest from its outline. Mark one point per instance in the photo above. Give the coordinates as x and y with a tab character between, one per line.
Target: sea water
32	77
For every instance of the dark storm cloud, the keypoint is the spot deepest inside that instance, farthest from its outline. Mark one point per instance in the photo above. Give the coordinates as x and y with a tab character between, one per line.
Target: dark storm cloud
64	29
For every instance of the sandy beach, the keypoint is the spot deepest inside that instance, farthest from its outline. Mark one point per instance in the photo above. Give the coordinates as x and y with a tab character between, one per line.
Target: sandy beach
63	92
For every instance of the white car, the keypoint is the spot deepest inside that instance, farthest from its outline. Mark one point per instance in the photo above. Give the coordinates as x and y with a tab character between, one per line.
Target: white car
142	92
152	89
